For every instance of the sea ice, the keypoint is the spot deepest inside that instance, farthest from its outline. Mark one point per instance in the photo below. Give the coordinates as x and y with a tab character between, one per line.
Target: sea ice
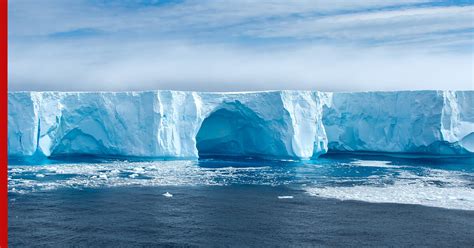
285	197
167	194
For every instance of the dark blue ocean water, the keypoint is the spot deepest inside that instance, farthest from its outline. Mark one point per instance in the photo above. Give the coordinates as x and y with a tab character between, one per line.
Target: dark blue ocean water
337	200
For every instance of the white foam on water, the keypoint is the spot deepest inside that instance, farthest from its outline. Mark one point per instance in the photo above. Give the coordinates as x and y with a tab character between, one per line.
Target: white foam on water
285	197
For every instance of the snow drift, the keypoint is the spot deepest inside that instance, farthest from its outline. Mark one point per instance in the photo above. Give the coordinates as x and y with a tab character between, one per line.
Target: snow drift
278	124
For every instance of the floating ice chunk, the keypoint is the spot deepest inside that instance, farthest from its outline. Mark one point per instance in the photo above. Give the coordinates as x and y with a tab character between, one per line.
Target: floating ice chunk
40	175
167	194
103	176
402	193
374	163
133	175
285	197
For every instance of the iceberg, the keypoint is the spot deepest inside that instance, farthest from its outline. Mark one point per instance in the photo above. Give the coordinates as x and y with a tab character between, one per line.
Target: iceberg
166	124
23	125
419	122
270	124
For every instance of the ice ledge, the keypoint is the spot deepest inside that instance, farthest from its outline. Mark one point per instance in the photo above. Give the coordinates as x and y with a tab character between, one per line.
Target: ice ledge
271	124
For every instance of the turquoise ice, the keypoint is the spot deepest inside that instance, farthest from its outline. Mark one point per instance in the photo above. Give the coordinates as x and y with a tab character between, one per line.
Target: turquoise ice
273	124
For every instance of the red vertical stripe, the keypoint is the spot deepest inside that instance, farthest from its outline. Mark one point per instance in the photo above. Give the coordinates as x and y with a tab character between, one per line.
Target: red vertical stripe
3	128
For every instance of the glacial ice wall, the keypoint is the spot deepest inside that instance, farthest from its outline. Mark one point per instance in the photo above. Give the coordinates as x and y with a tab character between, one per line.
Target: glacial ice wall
277	124
23	124
429	122
165	124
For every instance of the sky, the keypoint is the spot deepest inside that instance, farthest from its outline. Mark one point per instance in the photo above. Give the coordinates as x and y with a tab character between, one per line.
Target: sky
240	45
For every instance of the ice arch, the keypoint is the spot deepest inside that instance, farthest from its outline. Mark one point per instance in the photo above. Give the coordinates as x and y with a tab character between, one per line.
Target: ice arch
87	137
234	130
79	143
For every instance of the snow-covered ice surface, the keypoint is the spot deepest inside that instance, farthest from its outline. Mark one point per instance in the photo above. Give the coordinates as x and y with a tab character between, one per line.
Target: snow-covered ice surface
446	183
276	124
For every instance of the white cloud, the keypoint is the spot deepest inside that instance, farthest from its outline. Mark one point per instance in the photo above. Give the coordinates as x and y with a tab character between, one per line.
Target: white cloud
215	67
203	45
391	24
31	17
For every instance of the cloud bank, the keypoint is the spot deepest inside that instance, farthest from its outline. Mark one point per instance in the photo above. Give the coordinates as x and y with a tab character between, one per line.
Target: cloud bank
215	46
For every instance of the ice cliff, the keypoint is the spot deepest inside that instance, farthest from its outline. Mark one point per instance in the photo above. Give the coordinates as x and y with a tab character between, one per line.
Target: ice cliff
278	124
430	122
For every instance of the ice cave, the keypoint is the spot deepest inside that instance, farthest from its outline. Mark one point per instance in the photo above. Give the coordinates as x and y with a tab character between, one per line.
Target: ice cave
236	131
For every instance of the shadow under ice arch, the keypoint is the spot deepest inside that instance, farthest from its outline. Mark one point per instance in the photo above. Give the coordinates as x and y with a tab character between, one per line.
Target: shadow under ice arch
78	143
234	130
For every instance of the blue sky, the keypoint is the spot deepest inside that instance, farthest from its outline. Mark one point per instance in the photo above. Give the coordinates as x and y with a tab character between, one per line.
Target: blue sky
213	45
